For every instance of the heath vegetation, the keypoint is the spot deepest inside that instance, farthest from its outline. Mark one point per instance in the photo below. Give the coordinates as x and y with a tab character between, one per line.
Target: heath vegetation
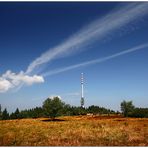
59	124
75	131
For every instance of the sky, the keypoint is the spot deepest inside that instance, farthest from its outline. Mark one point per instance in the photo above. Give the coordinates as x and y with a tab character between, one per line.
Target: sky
45	46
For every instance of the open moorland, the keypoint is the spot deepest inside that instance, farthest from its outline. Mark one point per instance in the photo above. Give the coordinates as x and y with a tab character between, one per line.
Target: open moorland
75	131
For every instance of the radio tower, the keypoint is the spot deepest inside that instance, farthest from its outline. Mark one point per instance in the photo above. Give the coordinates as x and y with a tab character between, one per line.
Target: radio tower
82	92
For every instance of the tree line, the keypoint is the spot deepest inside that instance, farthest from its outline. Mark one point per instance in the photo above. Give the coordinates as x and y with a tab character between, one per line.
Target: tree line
129	110
56	107
53	108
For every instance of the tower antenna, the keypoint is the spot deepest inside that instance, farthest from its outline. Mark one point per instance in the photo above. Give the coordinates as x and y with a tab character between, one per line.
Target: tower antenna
82	91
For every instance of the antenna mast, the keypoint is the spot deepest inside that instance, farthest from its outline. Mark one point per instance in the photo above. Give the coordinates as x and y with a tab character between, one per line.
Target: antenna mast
82	92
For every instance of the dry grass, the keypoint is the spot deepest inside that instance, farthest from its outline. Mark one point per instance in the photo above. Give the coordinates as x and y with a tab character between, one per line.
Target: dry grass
75	131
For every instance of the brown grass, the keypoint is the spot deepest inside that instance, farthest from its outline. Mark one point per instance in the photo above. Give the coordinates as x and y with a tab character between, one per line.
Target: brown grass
75	131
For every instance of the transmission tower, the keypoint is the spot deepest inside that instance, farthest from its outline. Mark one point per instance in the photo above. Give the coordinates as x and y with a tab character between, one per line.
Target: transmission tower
82	92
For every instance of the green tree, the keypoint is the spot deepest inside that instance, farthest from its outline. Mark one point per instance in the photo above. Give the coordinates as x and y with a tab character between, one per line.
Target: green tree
53	107
127	108
17	112
67	110
15	115
24	114
12	116
5	114
140	112
99	110
38	112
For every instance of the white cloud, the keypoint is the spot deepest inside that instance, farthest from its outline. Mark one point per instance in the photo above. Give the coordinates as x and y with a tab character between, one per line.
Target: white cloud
4	85
34	79
53	96
96	30
10	80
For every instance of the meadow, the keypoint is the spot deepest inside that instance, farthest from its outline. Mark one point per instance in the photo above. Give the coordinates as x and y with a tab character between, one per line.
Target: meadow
75	131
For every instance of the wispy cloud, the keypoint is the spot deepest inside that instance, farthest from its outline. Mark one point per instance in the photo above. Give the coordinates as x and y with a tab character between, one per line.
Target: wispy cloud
71	94
96	61
95	30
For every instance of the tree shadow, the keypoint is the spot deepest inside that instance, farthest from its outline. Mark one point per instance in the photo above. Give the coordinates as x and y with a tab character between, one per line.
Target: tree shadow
53	120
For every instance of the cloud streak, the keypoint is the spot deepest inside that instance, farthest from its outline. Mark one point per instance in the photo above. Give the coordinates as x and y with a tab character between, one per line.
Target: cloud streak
96	30
72	94
96	61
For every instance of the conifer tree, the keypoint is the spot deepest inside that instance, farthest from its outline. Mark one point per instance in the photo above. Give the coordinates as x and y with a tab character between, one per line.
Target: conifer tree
5	115
17	113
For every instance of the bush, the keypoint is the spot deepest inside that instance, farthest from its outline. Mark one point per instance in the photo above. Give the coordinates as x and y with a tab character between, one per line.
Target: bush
140	113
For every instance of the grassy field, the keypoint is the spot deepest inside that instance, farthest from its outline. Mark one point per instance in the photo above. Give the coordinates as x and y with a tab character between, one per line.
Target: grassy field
75	131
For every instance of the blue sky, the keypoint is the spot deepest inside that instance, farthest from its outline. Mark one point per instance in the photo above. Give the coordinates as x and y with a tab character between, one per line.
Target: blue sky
44	47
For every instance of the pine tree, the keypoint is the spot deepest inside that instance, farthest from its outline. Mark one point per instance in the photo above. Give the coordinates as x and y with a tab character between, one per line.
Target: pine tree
5	115
17	113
